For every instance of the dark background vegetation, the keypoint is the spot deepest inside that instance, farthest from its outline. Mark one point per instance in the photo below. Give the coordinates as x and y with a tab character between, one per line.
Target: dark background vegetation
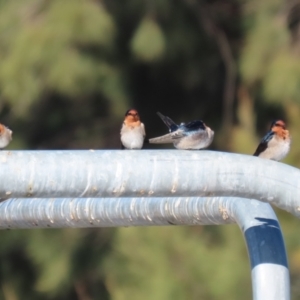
70	69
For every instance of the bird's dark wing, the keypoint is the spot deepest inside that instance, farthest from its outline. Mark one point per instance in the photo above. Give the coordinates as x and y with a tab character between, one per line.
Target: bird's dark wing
263	145
195	125
169	122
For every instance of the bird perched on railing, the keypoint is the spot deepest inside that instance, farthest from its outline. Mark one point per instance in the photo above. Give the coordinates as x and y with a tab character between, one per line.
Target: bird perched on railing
276	143
5	136
193	135
132	131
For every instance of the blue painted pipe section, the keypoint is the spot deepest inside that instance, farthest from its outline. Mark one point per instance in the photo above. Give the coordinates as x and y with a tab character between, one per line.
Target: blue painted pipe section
266	249
265	243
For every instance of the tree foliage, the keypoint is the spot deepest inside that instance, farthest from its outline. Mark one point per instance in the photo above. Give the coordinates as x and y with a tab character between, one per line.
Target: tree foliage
69	71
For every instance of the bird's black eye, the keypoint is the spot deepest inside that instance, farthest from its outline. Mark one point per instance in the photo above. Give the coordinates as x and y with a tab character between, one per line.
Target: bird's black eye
278	123
132	114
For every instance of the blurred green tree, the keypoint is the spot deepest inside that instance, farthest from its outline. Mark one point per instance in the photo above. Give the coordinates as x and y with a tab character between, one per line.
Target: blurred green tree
69	71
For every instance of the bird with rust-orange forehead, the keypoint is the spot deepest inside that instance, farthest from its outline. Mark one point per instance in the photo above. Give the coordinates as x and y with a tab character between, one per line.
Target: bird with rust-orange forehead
276	143
278	126
132	117
5	136
132	131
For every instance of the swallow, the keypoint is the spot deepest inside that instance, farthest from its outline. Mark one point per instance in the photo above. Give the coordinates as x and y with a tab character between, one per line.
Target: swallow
132	131
5	136
276	143
193	135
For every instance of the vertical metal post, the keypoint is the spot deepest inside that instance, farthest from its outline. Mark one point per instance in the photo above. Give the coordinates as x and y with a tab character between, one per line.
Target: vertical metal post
265	244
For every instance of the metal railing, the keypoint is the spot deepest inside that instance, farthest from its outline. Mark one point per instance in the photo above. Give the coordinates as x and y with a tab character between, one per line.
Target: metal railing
142	188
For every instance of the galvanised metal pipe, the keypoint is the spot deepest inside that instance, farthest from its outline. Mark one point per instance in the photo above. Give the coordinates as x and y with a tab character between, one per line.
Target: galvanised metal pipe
154	173
265	244
257	220
112	212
